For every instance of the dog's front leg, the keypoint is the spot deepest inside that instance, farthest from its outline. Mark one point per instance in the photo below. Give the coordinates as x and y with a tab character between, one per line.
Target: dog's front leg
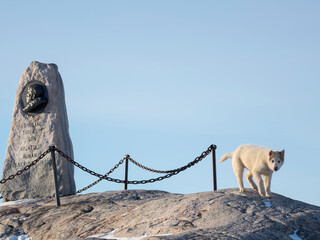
259	181
267	184
250	181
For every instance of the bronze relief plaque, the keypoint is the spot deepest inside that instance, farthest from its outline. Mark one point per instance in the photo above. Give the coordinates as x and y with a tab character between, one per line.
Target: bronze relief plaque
34	98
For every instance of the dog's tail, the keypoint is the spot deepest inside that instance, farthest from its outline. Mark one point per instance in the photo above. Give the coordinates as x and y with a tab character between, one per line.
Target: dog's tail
226	156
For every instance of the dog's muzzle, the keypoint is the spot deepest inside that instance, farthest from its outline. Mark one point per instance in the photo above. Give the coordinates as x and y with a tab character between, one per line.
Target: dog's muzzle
276	168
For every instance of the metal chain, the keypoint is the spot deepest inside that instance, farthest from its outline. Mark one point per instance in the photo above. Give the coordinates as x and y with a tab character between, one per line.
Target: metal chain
162	171
178	170
150	169
175	172
100	179
25	168
78	165
2	181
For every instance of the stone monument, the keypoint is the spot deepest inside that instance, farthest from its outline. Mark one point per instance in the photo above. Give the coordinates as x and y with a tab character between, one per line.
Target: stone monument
39	121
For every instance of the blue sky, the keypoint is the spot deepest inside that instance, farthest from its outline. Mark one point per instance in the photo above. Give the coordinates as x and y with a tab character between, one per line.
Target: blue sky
163	80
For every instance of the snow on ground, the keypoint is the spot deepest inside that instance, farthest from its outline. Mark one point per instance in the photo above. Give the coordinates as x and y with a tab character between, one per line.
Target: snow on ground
21	237
111	236
267	203
294	236
17	202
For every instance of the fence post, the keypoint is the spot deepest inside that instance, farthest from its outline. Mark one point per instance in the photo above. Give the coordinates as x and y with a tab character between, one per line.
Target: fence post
126	173
54	167
214	170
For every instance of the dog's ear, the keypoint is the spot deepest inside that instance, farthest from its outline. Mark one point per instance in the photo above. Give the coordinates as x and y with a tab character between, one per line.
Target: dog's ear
270	153
282	153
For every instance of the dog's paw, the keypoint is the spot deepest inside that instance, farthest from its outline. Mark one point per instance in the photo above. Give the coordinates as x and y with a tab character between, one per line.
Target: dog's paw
268	195
241	190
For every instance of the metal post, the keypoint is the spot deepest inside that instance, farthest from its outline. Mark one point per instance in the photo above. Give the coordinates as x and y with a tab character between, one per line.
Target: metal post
126	173
54	166
214	169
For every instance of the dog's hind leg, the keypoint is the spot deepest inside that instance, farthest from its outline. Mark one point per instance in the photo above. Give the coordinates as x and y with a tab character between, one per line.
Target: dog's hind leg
238	171
250	180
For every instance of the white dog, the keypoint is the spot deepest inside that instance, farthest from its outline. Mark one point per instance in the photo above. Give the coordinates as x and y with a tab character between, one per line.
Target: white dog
259	161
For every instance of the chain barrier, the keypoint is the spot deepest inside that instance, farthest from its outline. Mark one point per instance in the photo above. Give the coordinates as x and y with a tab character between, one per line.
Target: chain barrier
176	171
170	174
101	177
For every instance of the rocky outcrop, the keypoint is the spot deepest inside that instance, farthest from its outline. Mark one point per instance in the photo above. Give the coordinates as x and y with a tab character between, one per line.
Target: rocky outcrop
224	214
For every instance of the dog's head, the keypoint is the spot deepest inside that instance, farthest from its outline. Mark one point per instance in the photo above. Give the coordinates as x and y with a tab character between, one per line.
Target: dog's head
276	160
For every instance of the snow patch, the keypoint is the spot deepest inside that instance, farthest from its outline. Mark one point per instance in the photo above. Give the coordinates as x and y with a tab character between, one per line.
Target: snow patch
21	237
267	203
111	236
17	202
294	236
54	213
21	218
124	214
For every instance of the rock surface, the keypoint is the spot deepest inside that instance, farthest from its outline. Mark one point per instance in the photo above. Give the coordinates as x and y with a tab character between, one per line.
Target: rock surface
32	134
142	214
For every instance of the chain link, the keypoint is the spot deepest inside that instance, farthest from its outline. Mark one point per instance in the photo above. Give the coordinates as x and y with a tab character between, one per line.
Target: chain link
2	181
78	165
150	169
100	179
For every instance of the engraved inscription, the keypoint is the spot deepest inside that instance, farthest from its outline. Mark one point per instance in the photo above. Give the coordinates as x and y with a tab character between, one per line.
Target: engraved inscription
21	164
31	155
31	147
